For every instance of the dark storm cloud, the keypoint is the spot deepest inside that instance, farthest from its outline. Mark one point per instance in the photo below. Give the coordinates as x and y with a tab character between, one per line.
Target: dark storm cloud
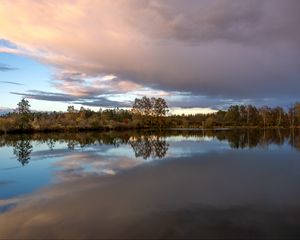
246	22
231	49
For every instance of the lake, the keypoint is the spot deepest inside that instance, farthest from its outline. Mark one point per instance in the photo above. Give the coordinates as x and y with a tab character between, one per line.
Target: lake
172	184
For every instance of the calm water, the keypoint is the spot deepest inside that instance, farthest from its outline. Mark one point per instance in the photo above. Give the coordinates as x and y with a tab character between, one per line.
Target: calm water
176	184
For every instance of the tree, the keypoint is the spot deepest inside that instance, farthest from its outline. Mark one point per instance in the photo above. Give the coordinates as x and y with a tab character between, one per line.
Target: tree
150	107
24	113
265	113
252	115
160	107
23	106
142	106
232	115
150	110
277	116
243	115
297	112
292	114
71	109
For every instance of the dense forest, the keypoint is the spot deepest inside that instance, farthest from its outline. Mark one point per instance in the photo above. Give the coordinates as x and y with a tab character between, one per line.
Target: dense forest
146	113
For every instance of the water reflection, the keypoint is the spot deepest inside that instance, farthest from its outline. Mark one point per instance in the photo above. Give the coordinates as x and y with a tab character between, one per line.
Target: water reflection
22	150
109	185
241	194
51	144
149	144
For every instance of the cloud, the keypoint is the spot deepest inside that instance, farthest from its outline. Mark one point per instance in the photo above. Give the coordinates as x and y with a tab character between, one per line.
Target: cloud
81	84
217	49
47	96
4	67
83	164
190	101
103	102
95	101
9	82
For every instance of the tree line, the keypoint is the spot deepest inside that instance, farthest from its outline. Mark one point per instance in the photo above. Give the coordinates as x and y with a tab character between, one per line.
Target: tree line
147	113
248	116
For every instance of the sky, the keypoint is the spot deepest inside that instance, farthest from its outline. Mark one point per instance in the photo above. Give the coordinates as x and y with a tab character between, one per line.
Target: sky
200	55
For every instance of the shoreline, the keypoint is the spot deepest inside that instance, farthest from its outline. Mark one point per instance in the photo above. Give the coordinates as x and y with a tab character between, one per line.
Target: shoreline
122	129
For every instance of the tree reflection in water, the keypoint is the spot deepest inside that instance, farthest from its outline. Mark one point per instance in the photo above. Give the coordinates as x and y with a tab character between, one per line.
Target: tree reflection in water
51	144
71	144
22	150
149	146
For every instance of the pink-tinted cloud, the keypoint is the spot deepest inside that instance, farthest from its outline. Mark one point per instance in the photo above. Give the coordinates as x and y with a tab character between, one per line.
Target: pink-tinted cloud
224	49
